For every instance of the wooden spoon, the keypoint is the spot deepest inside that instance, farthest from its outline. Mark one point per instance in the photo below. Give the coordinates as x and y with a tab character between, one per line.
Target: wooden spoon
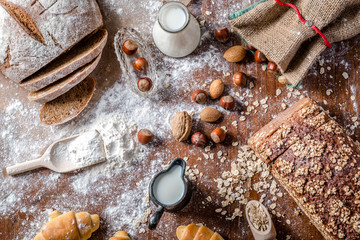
48	160
270	232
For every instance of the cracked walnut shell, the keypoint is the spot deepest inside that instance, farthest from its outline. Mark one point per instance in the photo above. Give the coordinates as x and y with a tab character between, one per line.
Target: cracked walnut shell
181	126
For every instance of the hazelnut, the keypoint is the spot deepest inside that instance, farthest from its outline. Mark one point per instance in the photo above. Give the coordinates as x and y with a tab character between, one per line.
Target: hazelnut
250	47
227	102
240	79
140	65
259	57
216	88
218	135
272	67
145	136
283	80
198	139
222	34
199	96
130	47
144	84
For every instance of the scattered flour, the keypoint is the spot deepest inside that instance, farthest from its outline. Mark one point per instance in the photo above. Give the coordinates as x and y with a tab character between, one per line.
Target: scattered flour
117	115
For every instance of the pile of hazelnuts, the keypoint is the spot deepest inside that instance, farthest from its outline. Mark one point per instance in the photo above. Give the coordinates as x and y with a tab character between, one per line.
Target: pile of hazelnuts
223	34
140	65
144	84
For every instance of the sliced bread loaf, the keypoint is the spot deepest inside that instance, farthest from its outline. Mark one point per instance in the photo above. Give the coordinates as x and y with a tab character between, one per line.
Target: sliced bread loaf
68	105
33	33
79	55
63	85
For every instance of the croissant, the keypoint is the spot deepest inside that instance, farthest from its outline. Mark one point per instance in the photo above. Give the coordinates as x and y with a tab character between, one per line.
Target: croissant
69	226
122	235
196	232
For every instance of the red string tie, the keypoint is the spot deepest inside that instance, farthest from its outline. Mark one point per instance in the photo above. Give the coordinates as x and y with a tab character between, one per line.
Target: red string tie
307	23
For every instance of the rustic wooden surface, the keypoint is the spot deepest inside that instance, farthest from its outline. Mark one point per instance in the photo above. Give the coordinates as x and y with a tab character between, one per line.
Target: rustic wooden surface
314	86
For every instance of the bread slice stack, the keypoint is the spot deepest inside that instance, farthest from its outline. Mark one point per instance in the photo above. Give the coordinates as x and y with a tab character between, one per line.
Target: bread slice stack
49	47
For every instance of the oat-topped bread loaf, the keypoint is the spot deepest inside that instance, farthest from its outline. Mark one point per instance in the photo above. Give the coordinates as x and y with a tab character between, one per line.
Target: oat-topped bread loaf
33	33
320	167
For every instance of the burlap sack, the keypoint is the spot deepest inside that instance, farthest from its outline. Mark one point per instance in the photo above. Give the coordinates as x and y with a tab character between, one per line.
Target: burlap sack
277	31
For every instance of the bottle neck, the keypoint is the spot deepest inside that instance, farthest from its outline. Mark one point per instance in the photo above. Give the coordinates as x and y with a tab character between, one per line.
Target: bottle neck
173	17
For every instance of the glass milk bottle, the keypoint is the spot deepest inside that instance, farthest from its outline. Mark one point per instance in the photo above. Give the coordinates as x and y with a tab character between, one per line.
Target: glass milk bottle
176	32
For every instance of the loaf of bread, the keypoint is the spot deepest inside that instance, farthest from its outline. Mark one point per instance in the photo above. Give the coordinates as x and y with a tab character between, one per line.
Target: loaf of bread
68	105
50	46
196	232
34	33
70	226
288	127
320	170
121	235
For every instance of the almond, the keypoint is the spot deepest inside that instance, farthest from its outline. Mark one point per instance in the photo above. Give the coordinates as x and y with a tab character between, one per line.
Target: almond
209	114
216	88
235	54
181	126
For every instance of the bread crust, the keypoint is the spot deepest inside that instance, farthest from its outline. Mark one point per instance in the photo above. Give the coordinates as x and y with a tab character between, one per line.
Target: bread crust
44	30
321	171
63	85
70	61
69	105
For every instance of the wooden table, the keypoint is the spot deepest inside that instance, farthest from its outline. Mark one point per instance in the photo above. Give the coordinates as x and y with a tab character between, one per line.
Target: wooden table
39	196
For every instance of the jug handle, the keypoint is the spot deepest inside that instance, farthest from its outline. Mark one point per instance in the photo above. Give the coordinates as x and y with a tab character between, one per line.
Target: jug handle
155	218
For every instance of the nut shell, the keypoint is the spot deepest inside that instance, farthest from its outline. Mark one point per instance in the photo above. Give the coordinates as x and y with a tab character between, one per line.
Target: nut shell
227	102
259	57
199	96
144	84
250	47
216	88
218	135
283	80
272	67
222	34
140	65
198	139
235	54
240	79
145	136
130	47
181	126
209	114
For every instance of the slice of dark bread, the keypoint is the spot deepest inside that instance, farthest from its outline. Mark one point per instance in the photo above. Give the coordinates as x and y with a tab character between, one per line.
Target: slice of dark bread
63	85
79	55
68	105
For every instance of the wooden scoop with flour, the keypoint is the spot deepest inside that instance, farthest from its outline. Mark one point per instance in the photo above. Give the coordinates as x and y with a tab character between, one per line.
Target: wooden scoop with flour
67	154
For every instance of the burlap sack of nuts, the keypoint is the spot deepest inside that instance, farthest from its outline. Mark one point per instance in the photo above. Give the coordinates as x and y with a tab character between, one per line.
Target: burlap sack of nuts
277	31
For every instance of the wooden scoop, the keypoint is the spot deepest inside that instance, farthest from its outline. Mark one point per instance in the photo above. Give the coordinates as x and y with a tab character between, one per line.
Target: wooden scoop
270	232
50	161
